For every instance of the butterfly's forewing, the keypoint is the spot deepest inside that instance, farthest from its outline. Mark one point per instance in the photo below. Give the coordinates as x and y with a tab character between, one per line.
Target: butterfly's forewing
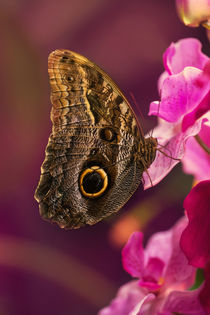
91	167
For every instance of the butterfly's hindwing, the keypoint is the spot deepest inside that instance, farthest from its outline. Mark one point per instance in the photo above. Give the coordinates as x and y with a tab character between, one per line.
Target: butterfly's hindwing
92	163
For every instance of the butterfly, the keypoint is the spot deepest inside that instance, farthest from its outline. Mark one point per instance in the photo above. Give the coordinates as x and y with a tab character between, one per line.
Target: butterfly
96	153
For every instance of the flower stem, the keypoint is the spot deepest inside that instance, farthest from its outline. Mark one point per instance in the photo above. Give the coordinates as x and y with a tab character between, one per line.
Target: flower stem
202	144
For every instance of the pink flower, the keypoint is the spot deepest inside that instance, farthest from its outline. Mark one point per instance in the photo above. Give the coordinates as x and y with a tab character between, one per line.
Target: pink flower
193	12
195	239
183	111
163	274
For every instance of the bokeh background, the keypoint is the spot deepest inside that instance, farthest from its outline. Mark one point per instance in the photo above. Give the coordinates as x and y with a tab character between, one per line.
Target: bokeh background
43	269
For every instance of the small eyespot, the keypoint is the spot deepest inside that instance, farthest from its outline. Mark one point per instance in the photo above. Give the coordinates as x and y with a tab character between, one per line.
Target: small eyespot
64	58
70	78
108	134
93	152
93	182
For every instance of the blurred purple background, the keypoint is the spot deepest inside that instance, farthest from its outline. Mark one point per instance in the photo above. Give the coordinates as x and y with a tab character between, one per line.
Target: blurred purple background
43	269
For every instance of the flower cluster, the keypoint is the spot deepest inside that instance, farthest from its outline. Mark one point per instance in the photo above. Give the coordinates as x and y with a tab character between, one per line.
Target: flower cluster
166	271
164	277
183	112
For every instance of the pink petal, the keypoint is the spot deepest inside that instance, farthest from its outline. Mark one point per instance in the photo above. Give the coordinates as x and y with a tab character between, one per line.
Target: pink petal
196	161
199	111
159	246
204	296
172	142
202	81
161	79
195	240
149	285
142	307
184	53
179	272
152	274
133	255
128	296
184	302
179	95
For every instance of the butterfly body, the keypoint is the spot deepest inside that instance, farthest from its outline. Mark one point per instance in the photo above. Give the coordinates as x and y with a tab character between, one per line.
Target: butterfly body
96	153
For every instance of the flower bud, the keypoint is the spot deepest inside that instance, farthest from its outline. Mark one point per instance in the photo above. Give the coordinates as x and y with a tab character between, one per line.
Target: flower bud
194	12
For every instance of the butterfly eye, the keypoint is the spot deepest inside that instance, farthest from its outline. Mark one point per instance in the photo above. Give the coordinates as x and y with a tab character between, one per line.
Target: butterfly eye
108	134
93	182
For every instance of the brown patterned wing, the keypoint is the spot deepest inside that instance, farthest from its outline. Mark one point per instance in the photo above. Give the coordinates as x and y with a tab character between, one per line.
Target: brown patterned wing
91	167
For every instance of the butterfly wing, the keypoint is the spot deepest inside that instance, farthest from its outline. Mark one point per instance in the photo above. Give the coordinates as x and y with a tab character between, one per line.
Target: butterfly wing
91	167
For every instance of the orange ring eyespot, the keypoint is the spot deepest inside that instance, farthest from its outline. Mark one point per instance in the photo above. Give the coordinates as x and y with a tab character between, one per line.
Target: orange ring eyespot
93	182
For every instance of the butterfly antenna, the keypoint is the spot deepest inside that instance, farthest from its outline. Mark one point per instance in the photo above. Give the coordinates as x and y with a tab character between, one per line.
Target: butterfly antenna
172	158
139	112
169	156
157	115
